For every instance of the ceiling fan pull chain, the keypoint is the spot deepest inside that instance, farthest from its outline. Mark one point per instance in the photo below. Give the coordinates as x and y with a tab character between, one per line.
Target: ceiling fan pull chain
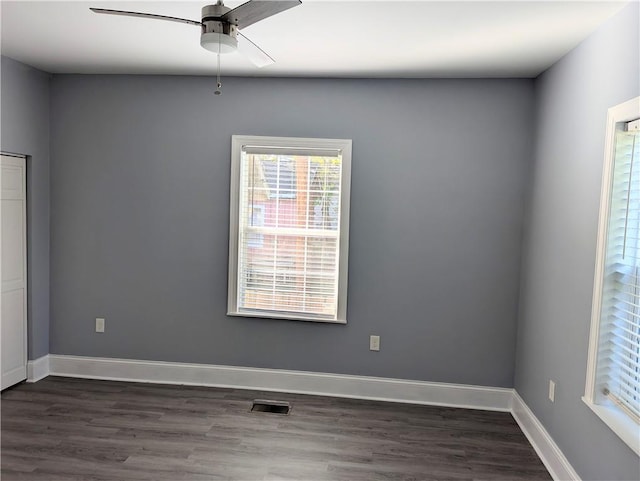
218	91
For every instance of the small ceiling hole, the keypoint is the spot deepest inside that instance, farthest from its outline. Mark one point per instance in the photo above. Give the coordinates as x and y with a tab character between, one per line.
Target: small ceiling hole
267	406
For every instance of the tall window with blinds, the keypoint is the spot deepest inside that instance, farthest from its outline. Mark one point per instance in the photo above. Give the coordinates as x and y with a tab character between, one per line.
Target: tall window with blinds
289	228
613	383
619	360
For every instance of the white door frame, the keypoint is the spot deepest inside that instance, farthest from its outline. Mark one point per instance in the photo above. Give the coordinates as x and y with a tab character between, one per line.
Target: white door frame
20	162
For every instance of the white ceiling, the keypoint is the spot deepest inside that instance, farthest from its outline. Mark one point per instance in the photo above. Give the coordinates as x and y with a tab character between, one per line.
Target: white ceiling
318	38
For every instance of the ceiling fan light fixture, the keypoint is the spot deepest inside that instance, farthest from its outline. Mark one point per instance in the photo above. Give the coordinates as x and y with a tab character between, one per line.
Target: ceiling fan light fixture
218	42
219	25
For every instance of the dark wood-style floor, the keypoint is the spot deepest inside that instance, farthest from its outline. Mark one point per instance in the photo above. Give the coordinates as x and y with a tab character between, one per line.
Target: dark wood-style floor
72	429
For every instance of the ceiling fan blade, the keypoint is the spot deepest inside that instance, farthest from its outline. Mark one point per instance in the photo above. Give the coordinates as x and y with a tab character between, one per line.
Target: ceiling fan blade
255	10
144	15
255	54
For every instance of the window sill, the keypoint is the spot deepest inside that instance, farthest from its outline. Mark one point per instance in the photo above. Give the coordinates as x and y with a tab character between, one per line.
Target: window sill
288	317
619	422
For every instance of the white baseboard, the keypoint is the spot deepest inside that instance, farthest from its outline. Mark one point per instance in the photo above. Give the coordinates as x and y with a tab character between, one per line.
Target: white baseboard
323	384
337	385
38	369
548	451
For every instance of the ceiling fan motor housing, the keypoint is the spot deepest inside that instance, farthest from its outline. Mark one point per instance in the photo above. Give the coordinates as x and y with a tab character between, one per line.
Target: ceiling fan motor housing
217	36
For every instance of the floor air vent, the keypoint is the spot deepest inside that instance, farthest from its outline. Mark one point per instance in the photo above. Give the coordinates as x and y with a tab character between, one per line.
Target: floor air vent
266	406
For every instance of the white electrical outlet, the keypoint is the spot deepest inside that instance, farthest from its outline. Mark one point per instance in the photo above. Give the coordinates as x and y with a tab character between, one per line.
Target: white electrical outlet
99	324
552	391
374	343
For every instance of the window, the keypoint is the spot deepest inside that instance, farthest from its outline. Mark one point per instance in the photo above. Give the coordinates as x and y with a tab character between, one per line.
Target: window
289	223
613	374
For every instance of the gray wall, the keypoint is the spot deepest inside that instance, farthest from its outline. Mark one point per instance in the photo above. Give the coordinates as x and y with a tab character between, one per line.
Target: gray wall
560	242
25	130
140	213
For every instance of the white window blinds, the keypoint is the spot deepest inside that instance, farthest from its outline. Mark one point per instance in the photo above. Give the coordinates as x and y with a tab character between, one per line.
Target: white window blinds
618	365
289	229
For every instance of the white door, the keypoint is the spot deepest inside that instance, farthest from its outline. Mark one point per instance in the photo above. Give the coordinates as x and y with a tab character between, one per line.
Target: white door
13	271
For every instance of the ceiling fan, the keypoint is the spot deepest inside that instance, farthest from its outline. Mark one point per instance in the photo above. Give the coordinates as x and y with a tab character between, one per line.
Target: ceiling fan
220	26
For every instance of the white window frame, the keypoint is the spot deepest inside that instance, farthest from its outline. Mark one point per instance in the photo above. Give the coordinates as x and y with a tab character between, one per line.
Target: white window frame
624	425
238	142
